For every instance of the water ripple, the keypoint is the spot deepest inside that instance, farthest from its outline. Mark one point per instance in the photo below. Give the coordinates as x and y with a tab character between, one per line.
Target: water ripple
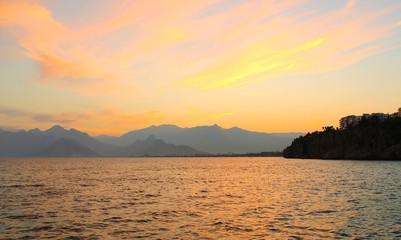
206	198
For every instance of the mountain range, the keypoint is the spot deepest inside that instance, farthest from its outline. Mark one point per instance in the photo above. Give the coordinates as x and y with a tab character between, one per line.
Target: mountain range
152	146
212	139
163	140
35	142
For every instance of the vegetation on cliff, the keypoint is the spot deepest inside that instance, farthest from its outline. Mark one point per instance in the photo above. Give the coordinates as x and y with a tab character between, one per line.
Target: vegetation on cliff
371	138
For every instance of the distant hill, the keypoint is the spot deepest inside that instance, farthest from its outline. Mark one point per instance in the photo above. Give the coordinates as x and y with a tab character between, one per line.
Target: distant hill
32	142
88	141
111	140
165	132
371	138
213	139
67	148
171	140
23	143
152	146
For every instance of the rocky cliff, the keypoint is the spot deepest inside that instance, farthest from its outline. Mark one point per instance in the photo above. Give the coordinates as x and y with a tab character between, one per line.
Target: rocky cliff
369	139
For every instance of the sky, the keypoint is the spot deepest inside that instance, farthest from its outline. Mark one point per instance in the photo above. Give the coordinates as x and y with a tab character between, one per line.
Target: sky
108	67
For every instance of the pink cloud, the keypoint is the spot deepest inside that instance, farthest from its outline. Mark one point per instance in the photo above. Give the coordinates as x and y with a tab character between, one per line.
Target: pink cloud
131	47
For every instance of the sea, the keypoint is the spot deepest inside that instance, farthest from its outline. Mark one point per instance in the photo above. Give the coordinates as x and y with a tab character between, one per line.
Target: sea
199	198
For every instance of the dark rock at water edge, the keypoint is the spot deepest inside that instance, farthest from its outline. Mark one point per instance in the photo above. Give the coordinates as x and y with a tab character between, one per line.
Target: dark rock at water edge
370	139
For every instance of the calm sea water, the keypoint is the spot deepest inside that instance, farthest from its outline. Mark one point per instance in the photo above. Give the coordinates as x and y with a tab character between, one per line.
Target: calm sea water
199	198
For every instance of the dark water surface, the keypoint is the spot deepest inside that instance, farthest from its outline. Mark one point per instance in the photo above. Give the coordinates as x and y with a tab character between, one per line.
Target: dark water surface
199	198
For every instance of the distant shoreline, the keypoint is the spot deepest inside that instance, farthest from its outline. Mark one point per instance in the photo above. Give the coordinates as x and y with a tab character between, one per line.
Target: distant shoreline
264	154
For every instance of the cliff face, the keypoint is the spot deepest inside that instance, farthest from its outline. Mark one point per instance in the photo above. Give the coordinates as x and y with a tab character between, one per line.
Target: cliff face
370	139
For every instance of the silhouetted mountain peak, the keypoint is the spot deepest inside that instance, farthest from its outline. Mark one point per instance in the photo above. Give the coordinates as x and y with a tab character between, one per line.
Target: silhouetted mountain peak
59	131
67	148
153	146
151	139
214	127
163	126
56	129
158	142
35	131
74	131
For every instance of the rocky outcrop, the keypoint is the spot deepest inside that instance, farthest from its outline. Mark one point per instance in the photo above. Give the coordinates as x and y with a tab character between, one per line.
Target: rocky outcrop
371	138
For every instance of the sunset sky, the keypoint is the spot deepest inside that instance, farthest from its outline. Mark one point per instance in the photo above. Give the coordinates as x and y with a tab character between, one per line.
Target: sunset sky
107	67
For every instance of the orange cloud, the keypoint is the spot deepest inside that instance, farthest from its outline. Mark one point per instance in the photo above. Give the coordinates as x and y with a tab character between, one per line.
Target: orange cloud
63	60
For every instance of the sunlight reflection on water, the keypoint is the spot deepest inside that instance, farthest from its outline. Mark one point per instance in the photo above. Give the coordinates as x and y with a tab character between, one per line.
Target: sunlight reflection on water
199	198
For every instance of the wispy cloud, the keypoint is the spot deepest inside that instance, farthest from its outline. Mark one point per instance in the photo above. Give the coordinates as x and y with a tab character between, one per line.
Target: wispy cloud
63	118
199	44
116	119
257	49
12	112
351	3
195	114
